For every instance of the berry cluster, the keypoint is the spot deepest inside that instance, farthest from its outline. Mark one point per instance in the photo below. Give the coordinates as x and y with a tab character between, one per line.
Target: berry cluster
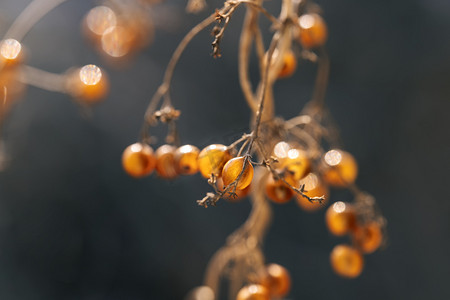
367	235
278	160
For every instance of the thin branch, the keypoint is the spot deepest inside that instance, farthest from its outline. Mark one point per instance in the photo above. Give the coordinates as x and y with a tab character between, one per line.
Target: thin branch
43	79
34	12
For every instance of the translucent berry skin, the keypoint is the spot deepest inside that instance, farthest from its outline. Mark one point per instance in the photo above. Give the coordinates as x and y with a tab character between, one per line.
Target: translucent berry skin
280	152
11	53
368	237
346	261
314	187
240	194
88	93
340	218
289	65
138	160
296	164
277	280
165	162
278	191
186	159
212	159
313	31
253	292
339	168
233	168
97	21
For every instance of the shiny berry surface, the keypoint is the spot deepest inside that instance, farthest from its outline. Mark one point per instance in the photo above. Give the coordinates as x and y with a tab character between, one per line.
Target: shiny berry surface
89	84
278	191
340	168
313	31
186	159
280	152
253	292
368	237
138	160
289	64
233	168
10	52
346	261
212	159
340	218
239	194
314	187
277	280
165	162
296	164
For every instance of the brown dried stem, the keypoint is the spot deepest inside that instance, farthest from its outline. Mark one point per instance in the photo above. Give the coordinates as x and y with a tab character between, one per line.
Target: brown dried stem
243	247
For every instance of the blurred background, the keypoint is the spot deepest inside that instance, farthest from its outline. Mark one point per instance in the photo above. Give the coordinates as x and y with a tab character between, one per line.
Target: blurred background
73	225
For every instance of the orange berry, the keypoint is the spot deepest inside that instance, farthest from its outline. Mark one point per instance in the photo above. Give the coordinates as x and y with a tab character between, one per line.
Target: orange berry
117	41
313	31
368	237
89	84
212	159
278	191
10	52
289	65
11	88
186	160
340	218
98	20
253	292
280	152
233	169
339	168
165	162
296	164
240	194
346	261
314	187
138	160
277	280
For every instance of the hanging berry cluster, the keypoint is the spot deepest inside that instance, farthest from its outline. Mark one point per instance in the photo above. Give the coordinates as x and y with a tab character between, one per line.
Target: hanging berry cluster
278	160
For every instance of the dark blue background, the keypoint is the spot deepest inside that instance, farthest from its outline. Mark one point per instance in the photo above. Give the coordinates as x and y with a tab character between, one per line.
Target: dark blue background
74	226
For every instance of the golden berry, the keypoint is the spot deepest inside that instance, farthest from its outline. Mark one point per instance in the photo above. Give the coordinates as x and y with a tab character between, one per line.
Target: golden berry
239	194
280	152
10	52
296	164
233	168
339	168
346	261
186	159
212	159
117	41
340	218
89	84
165	162
368	237
253	292
98	20
278	191
313	31
314	187
277	280
138	160
289	65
